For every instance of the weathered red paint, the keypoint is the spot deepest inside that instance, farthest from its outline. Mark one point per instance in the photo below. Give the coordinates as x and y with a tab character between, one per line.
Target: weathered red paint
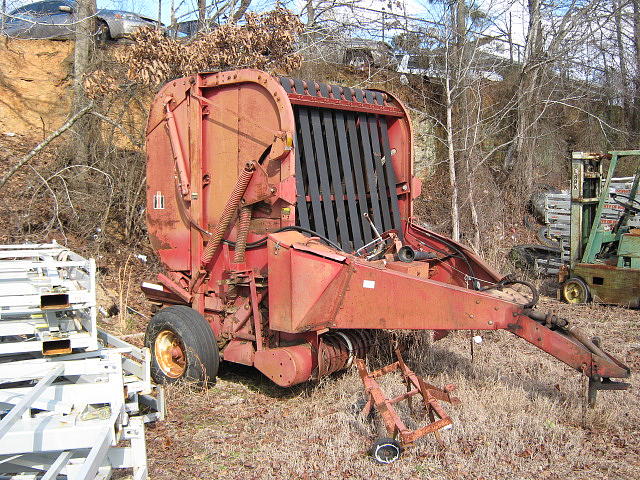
273	309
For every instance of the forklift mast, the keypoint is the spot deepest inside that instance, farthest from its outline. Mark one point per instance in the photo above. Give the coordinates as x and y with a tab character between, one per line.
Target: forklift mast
586	191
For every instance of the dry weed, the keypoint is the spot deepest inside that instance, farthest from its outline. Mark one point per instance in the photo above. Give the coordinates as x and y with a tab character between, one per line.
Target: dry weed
521	417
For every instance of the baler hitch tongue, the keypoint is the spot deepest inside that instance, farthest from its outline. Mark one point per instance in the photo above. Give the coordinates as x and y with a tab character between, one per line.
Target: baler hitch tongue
387	450
590	359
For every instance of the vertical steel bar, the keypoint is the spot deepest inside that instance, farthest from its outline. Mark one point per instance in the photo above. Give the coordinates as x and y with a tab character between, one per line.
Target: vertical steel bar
196	210
354	144
347	172
391	174
302	212
309	162
379	169
255	309
367	156
323	170
336	178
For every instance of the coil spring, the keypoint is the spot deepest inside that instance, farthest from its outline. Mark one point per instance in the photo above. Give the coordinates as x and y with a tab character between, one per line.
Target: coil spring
243	230
227	214
337	349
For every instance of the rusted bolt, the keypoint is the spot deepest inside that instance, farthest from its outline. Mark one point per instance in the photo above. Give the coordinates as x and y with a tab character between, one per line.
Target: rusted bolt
496	308
273	190
477	302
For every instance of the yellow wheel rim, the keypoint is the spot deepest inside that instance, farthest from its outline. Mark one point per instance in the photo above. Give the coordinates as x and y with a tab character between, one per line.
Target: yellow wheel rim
170	354
574	293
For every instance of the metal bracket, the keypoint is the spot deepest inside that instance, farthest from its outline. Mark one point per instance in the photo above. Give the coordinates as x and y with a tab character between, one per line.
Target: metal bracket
431	396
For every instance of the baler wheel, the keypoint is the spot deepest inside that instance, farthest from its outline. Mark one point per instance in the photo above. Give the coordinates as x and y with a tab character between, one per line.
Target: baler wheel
386	450
575	291
182	346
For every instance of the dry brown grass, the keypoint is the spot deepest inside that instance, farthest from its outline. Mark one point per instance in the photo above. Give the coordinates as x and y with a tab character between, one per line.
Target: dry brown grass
521	417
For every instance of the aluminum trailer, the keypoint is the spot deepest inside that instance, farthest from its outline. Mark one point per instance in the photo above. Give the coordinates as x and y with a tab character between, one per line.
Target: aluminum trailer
73	399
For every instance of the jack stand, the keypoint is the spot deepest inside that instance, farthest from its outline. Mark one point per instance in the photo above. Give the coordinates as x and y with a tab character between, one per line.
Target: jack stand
388	450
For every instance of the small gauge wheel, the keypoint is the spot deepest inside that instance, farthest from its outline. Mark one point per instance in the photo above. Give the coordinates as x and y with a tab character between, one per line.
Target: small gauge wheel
575	291
386	450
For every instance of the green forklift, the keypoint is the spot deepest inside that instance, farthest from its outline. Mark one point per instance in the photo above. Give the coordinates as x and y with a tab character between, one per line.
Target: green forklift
604	258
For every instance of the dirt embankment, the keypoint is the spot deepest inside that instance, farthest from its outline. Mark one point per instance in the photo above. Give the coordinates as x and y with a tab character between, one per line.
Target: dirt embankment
35	81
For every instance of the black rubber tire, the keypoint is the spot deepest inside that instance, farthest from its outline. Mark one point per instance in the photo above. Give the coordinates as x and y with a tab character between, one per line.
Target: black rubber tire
386	450
575	291
103	35
195	334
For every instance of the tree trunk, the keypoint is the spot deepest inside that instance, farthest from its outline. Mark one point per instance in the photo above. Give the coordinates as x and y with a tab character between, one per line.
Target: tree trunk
636	42
202	14
624	79
311	14
174	21
4	12
242	9
455	217
520	156
85	36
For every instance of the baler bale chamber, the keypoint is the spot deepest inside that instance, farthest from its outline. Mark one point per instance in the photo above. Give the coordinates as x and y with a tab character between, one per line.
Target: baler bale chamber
282	212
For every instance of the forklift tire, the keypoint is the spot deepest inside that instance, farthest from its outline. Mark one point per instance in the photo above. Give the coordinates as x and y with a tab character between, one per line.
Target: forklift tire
386	450
182	346
575	291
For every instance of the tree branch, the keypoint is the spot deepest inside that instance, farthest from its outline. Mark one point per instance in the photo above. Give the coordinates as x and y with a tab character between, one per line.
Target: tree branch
44	143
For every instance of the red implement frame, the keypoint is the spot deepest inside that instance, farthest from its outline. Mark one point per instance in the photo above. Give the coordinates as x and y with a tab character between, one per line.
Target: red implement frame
229	154
430	394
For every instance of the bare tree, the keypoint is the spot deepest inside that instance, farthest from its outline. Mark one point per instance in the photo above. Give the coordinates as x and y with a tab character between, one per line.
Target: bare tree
202	14
85	43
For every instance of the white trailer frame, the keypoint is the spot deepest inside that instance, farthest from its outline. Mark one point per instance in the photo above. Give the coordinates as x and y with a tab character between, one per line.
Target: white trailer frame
47	300
73	416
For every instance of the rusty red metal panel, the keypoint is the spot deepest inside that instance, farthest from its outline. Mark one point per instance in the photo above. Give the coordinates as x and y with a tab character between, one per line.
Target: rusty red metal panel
286	366
239	351
311	101
246	101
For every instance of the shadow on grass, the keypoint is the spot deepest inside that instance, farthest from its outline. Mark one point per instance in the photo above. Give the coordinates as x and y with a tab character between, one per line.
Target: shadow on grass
257	382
